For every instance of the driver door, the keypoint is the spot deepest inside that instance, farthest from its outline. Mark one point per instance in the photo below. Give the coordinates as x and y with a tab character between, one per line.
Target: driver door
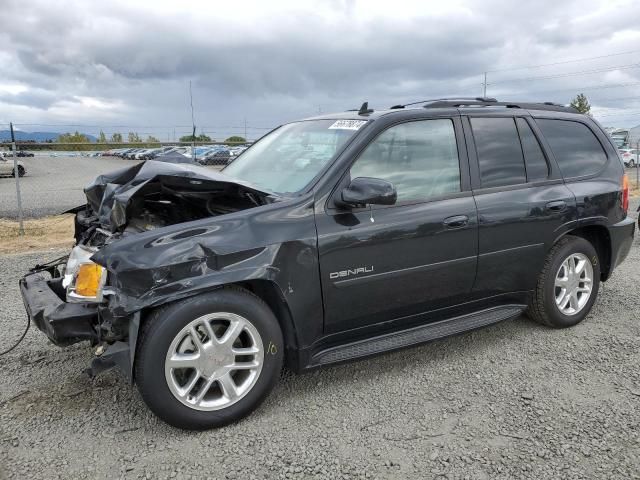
381	262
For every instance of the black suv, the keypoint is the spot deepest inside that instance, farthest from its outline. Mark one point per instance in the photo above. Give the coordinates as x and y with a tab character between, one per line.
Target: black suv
335	238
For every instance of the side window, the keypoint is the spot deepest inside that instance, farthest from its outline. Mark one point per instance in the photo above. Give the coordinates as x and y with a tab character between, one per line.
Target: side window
577	150
499	152
420	158
537	166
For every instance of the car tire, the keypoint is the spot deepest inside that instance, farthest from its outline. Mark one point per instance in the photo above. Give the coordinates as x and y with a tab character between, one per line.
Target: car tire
21	171
556	283
547	301
159	343
631	164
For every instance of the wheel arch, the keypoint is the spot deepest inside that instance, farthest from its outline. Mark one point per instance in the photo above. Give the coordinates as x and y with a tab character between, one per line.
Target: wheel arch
598	236
269	292
266	290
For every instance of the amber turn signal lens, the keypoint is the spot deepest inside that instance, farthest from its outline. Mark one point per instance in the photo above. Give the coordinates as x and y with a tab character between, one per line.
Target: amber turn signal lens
88	280
625	193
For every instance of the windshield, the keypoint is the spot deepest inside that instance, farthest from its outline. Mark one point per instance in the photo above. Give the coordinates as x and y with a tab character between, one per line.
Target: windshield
288	158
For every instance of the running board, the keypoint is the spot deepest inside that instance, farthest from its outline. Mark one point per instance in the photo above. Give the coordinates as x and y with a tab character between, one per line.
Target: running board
416	335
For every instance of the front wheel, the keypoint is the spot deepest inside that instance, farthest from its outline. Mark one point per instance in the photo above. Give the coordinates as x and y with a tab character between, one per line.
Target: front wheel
21	171
568	285
209	360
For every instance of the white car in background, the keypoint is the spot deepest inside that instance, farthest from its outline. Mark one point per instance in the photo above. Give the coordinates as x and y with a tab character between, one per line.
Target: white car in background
629	156
6	166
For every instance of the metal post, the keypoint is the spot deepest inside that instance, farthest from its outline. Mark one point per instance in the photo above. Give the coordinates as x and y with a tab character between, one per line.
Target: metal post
484	86
637	164
193	122
17	177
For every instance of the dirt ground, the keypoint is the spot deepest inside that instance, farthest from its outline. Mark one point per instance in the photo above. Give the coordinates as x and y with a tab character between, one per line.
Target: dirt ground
47	233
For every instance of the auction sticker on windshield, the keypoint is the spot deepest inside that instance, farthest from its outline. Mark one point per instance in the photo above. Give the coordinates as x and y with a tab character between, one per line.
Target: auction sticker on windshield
347	124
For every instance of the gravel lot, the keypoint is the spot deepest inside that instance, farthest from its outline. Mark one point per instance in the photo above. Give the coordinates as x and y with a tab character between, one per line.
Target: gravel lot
515	400
53	184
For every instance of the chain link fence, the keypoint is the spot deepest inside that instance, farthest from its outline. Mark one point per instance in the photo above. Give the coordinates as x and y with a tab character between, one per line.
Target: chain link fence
39	183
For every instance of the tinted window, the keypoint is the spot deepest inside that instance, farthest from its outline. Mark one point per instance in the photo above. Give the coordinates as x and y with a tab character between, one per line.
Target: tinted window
419	158
499	152
577	150
537	167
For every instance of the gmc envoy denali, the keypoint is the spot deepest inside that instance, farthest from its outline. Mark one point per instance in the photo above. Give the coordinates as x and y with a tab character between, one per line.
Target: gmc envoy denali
335	238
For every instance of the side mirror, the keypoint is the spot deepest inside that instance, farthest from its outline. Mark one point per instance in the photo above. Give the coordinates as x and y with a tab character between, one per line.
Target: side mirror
369	191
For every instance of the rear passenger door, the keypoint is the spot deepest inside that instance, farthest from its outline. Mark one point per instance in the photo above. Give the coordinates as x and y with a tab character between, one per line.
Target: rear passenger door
523	204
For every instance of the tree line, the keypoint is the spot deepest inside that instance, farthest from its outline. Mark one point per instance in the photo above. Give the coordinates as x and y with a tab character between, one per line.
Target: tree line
79	141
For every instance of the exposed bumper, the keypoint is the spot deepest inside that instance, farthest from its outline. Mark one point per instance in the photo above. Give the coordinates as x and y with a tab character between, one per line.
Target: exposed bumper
621	239
64	323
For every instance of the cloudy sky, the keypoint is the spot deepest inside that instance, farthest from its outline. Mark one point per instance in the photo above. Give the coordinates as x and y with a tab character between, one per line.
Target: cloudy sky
126	65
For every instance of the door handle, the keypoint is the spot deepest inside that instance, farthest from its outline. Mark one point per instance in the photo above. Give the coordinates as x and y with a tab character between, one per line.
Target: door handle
456	221
557	206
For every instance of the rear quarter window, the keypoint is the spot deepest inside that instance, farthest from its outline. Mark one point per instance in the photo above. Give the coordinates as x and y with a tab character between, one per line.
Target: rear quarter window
576	148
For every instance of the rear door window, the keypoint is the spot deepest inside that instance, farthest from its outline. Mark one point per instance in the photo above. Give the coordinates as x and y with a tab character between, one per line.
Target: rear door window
499	152
577	150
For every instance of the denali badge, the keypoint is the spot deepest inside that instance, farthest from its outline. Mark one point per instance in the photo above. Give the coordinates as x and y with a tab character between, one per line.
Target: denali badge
351	271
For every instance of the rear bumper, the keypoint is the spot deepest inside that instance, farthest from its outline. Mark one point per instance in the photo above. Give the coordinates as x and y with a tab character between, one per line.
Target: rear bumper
621	239
63	323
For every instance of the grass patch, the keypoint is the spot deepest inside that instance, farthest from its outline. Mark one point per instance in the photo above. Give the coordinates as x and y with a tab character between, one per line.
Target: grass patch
39	234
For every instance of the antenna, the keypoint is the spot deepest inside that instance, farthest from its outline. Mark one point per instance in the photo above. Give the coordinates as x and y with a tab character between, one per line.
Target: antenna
193	122
364	109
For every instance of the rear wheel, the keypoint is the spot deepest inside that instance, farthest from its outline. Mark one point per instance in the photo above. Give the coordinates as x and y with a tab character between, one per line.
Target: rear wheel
568	284
21	171
209	360
631	164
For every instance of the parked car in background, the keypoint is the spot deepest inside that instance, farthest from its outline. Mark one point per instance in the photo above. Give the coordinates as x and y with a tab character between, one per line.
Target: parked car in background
24	153
131	154
144	154
629	156
215	157
7	166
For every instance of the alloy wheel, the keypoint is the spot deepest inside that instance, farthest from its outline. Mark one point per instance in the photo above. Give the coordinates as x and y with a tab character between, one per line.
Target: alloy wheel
573	284
214	361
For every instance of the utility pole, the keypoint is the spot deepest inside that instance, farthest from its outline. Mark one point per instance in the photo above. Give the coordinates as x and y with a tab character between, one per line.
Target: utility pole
245	129
193	122
16	174
484	86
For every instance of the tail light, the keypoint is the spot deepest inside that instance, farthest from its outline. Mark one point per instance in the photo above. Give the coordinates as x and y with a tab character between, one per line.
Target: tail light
625	193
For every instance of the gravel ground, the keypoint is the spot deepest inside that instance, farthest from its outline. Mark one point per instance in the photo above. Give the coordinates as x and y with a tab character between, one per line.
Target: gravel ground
515	400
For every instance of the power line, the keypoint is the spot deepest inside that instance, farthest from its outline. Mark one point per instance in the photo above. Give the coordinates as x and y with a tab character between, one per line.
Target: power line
576	89
524	67
569	74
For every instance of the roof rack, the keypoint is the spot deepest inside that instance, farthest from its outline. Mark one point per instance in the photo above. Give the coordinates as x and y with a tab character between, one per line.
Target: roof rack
492	102
478	99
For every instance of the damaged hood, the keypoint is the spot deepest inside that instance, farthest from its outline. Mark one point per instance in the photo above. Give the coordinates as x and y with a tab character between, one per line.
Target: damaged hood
116	197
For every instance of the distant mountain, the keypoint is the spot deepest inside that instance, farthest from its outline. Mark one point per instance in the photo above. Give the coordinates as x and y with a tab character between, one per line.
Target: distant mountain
35	136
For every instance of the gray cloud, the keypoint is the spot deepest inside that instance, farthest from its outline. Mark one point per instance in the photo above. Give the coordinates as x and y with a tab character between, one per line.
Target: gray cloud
134	63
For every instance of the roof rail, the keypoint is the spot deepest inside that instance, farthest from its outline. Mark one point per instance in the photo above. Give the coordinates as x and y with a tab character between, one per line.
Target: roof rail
492	102
478	99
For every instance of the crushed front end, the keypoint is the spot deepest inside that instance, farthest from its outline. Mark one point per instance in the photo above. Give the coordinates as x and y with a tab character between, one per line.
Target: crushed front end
80	297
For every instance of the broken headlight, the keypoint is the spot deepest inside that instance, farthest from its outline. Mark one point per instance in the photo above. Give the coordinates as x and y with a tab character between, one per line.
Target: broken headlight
83	279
